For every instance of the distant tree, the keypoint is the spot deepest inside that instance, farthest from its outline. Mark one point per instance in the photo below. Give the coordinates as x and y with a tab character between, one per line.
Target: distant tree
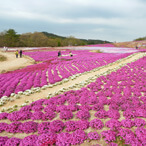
36	39
2	39
59	43
11	38
72	41
140	39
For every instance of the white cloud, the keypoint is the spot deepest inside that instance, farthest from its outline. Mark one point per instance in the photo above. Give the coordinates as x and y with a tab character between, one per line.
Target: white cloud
103	16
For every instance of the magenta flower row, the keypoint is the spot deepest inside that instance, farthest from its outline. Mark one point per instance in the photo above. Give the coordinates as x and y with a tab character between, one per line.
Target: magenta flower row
111	91
77	137
52	71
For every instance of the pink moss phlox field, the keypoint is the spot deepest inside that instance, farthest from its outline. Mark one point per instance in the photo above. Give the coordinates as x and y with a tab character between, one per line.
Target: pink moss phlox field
93	135
49	115
13	141
133	138
83	114
102	114
113	124
109	135
66	115
46	139
53	69
96	123
78	137
13	127
3	140
3	115
29	127
29	140
71	126
3	127
111	91
102	45
63	139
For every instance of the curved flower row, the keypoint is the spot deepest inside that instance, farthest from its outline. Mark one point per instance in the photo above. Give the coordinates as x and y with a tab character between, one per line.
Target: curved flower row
111	90
50	138
54	126
77	137
50	72
4	99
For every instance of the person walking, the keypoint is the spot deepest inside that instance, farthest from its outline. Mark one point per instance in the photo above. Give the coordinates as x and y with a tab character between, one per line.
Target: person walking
20	53
16	53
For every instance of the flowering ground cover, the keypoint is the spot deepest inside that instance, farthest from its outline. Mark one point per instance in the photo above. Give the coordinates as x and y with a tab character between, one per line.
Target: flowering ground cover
108	48
111	108
53	69
102	45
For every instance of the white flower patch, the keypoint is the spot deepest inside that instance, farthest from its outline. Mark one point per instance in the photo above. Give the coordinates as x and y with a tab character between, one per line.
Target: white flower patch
17	96
24	104
3	110
2	103
33	89
11	99
4	98
12	94
62	90
27	94
73	77
50	86
20	93
65	80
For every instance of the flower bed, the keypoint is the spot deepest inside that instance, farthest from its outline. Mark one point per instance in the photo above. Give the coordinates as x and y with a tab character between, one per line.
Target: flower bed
76	109
52	71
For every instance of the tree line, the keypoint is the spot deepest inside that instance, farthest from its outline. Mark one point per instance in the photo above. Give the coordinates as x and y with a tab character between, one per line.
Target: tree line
10	38
140	39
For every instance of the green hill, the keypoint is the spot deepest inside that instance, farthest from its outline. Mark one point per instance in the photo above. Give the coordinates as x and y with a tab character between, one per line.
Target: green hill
140	39
10	38
86	41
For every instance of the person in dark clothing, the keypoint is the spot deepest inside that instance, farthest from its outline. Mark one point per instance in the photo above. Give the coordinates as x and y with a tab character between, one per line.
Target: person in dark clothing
20	53
59	53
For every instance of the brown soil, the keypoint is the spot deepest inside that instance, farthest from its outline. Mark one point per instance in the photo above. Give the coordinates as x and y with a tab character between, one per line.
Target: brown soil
13	63
132	44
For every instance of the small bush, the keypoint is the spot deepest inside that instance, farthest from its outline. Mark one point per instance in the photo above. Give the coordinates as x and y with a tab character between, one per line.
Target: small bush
2	58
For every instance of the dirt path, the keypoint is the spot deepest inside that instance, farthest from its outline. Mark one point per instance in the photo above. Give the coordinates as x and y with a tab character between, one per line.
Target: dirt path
13	63
82	78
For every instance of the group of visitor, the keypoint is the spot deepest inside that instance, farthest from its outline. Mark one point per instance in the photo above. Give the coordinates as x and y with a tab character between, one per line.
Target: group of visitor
70	54
18	53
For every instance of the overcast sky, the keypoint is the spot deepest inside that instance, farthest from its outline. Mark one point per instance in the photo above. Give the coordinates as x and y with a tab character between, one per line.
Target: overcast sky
112	20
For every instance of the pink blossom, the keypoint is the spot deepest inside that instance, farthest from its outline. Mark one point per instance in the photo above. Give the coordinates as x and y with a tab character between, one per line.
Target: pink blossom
96	123
93	135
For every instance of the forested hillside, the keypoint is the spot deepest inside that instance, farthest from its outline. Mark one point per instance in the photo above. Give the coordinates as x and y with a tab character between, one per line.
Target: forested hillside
140	39
10	38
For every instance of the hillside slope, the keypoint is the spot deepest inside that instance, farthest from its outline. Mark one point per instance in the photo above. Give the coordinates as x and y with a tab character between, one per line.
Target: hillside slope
132	44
